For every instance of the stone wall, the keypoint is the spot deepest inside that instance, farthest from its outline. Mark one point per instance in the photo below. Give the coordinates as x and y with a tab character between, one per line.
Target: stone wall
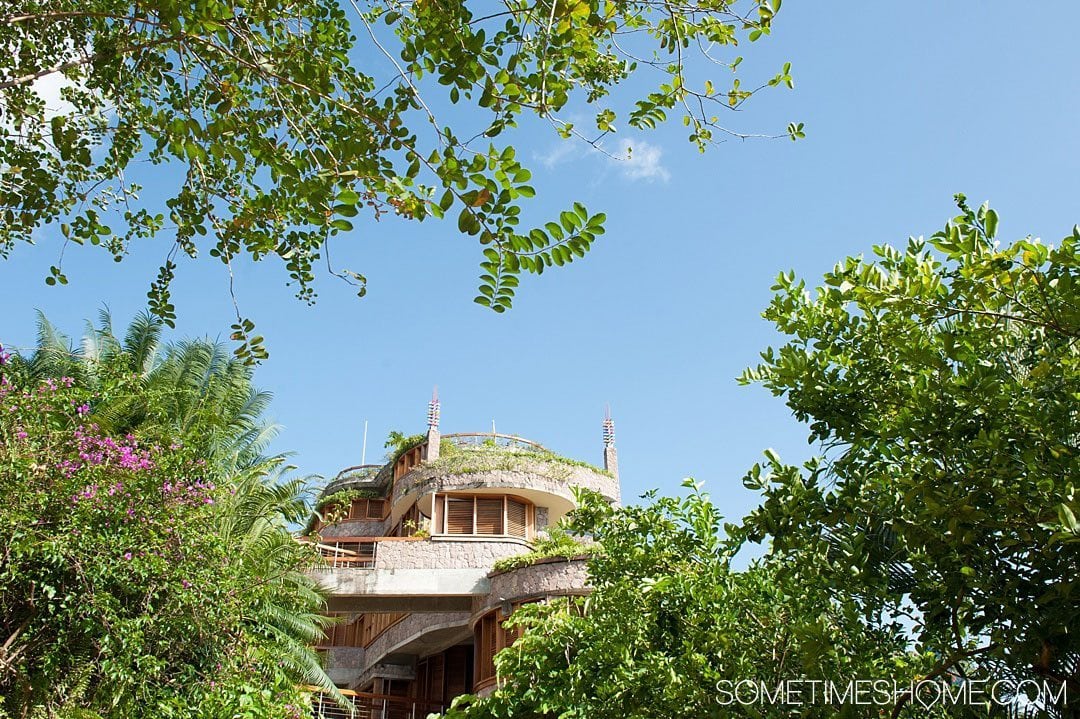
412	627
440	553
554	576
345	657
552	477
355	528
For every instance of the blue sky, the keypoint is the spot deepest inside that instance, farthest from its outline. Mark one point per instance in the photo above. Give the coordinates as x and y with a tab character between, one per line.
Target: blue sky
905	104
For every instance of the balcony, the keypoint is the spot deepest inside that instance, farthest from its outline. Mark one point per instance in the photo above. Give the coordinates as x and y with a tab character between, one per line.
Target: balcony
491	462
547	577
372	706
408	574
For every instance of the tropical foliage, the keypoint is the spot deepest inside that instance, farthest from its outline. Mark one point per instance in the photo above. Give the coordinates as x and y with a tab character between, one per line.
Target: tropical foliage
670	627
147	568
935	544
557	543
282	135
942	380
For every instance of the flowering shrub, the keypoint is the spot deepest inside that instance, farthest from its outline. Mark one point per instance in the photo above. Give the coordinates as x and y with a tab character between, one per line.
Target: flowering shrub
119	593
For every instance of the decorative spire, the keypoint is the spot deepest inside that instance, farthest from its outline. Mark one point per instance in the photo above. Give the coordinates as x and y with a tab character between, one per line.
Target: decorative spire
433	410
611	456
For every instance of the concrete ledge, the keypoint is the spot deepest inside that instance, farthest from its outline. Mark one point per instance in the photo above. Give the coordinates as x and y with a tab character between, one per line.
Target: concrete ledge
403	590
385	671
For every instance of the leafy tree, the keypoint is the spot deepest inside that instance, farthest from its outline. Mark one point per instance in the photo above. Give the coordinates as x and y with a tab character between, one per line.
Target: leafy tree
941	379
283	130
147	567
670	629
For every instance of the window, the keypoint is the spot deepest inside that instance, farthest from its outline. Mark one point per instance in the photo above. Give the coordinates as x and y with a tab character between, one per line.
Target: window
485	514
487	645
516	513
459	516
490	638
489	516
367	509
443	676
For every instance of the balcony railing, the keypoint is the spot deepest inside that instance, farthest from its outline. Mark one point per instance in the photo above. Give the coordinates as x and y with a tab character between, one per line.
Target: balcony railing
348	553
353	552
373	706
480	439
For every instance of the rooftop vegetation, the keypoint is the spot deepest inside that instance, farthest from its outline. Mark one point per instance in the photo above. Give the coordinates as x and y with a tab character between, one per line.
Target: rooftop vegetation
455	459
557	545
399	443
335	507
345	496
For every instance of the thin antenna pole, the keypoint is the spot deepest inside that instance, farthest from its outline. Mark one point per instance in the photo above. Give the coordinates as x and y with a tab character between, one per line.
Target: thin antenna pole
363	452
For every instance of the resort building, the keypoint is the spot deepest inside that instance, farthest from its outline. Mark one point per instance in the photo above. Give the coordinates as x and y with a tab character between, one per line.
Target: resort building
412	547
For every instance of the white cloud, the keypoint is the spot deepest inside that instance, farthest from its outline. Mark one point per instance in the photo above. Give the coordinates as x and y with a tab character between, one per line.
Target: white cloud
641	161
558	153
48	89
635	161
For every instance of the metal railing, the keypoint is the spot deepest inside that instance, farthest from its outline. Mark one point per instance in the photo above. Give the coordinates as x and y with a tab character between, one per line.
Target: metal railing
353	552
360	471
373	706
348	553
480	439
363	476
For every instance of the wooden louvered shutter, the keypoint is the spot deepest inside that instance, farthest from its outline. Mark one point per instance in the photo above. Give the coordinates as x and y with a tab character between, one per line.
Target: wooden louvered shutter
423	680
515	517
438	677
375	509
486	648
456	672
459	516
490	647
489	516
512	635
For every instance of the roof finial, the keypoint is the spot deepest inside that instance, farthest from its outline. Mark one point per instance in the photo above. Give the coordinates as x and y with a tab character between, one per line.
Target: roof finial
609	429
433	409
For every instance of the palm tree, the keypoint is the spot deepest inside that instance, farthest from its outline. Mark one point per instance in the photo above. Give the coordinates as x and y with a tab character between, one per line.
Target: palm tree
193	391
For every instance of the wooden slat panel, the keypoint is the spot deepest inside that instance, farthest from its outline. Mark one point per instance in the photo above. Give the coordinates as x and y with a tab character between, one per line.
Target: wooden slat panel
437	667
376	623
515	518
489	516
486	647
459	516
457	672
